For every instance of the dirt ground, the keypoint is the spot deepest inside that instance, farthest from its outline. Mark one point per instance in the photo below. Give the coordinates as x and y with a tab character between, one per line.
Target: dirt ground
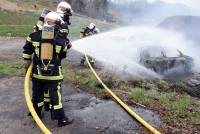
18	5
7	5
91	115
10	49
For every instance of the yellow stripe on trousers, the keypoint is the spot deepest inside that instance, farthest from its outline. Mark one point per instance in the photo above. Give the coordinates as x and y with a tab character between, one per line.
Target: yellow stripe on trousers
29	103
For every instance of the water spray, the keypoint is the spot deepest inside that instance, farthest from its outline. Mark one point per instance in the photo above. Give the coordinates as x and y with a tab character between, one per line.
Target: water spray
120	49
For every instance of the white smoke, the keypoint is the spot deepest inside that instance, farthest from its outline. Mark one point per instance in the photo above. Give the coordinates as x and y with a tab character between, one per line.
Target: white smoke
120	49
150	11
192	3
124	1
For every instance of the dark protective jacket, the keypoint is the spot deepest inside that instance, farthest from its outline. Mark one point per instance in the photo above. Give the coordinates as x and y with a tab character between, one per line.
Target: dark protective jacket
88	32
32	52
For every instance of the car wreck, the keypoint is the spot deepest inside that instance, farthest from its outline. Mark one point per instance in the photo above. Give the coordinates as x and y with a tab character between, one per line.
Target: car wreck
164	65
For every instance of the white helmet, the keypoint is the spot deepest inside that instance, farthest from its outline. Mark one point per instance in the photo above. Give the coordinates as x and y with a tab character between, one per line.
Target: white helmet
51	18
63	7
97	30
91	26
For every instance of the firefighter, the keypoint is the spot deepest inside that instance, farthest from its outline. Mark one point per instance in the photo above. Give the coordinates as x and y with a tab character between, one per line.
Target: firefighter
65	11
45	49
90	30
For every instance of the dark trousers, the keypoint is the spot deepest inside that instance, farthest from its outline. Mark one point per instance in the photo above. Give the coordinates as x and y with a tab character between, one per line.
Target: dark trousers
55	97
83	59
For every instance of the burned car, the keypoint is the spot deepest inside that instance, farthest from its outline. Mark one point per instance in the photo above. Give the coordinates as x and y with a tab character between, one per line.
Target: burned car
165	65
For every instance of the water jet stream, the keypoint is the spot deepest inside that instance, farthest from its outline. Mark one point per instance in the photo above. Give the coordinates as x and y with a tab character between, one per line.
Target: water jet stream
119	50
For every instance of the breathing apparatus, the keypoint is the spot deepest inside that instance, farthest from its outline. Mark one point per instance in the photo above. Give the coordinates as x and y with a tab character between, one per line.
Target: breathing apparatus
47	45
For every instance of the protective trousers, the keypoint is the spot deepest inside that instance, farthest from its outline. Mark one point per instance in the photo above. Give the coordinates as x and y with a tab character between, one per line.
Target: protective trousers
55	98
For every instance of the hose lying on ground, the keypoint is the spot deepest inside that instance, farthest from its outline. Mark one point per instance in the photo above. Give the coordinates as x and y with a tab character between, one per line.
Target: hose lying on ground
43	127
128	109
29	103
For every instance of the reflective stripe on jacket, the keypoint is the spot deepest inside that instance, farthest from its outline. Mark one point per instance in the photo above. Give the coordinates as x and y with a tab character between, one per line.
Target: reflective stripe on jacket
32	52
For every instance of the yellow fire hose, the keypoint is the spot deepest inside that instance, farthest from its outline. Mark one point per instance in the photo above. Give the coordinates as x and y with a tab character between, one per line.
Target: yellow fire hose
43	127
29	103
129	110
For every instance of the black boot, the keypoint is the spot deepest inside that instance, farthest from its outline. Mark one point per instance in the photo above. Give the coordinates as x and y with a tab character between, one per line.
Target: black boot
47	106
92	64
39	115
64	122
82	63
29	114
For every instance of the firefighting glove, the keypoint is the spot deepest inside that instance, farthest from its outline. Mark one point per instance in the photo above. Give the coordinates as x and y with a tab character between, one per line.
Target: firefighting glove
68	43
27	63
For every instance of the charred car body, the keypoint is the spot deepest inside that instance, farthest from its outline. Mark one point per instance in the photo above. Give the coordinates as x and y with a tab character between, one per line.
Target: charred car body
164	65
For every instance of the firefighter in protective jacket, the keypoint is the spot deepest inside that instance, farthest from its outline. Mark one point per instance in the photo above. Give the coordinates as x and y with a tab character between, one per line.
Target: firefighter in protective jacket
65	11
46	49
85	32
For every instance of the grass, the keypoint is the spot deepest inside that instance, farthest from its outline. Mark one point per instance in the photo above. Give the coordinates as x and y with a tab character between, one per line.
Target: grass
82	78
195	116
85	80
29	4
175	109
16	24
172	105
12	69
17	18
15	31
181	105
21	24
80	22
